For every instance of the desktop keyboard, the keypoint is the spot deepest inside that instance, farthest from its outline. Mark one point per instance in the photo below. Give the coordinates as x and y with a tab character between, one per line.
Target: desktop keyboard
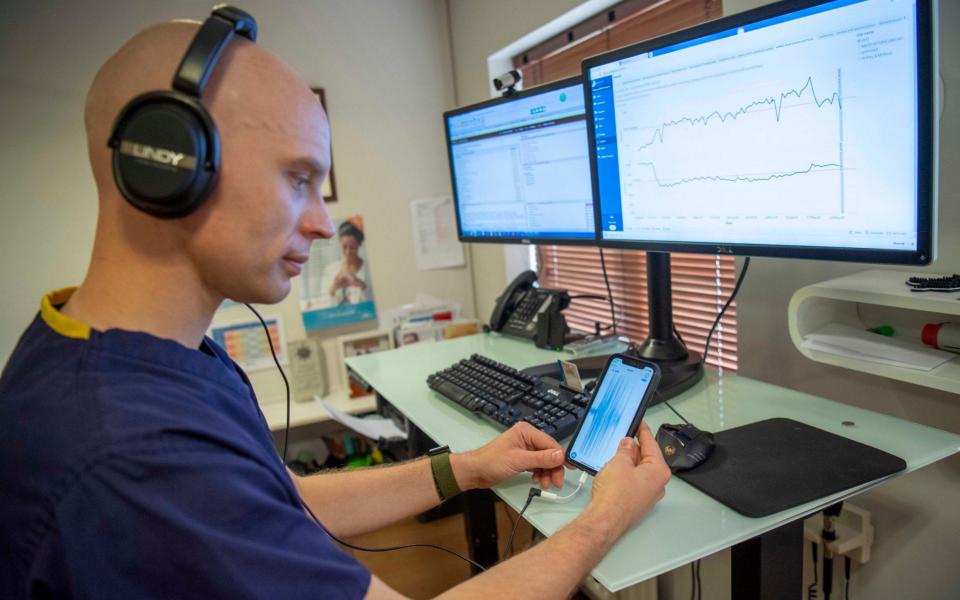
505	396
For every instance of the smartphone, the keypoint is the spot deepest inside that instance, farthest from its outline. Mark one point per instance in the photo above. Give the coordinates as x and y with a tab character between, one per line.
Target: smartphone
620	398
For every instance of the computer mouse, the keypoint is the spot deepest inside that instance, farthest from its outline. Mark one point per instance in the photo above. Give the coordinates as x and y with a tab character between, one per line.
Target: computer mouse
684	446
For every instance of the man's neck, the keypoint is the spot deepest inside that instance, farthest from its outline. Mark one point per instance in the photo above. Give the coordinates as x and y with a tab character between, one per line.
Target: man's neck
165	300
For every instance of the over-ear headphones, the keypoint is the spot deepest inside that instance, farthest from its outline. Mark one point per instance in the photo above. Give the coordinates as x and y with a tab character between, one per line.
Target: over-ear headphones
166	150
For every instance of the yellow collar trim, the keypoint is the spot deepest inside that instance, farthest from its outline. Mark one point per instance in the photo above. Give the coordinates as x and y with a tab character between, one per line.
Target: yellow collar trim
59	322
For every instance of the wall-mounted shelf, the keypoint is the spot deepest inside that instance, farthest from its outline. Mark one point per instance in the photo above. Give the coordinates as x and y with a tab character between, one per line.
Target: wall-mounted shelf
839	301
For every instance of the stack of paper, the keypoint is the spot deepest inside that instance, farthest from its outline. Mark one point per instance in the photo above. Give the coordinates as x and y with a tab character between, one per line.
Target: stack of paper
374	427
863	345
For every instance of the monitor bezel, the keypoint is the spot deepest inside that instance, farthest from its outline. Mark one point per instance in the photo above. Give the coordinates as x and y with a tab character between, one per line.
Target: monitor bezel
926	169
540	89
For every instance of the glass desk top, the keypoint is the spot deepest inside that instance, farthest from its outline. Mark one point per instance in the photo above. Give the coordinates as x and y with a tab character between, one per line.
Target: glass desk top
687	524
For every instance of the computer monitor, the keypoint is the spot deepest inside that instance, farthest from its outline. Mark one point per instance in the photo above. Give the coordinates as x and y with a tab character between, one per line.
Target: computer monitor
520	167
801	129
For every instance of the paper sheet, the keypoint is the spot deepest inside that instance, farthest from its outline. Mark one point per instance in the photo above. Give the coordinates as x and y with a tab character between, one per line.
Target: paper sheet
246	343
842	340
374	427
435	234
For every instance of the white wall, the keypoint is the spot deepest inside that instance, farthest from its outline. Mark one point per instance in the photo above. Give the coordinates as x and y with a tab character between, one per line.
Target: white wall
478	29
387	74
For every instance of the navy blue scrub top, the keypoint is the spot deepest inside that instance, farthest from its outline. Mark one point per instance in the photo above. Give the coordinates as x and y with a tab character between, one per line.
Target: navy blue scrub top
134	467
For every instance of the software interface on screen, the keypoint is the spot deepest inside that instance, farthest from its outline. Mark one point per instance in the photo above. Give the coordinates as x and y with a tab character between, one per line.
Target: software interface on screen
610	414
798	130
521	168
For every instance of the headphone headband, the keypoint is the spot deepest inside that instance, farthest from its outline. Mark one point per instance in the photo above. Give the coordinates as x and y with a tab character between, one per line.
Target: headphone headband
203	53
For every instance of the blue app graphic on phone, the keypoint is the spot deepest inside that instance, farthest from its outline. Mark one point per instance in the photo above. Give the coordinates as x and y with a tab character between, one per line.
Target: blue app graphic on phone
613	409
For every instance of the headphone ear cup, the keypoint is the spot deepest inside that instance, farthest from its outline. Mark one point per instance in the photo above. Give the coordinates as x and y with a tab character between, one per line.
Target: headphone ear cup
165	154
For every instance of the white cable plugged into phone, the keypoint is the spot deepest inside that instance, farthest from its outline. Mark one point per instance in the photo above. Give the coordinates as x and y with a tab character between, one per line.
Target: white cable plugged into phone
636	382
536	492
554	497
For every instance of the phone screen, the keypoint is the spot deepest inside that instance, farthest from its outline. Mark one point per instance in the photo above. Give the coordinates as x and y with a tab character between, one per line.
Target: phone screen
608	420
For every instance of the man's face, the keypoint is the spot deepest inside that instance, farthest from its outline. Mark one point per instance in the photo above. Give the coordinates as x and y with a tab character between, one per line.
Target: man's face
254	233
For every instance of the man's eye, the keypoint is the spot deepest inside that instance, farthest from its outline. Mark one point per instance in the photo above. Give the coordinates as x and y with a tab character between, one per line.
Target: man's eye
300	182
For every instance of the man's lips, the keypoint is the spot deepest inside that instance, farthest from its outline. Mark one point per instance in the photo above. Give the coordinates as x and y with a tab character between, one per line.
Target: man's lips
294	262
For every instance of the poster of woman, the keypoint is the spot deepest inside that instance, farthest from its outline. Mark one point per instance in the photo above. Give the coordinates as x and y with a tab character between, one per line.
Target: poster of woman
335	287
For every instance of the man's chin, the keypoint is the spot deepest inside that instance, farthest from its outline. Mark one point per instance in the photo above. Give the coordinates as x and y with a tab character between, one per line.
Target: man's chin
272	295
278	294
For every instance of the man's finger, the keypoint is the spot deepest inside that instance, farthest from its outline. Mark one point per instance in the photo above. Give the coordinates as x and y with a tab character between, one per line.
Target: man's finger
538	440
557	476
543	481
649	449
628	448
543	459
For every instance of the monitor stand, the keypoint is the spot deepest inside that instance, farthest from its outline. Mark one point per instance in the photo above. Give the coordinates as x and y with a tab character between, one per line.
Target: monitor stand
680	368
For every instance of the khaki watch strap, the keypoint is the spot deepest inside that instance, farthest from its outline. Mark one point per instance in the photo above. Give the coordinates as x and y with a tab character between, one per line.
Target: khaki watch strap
443	478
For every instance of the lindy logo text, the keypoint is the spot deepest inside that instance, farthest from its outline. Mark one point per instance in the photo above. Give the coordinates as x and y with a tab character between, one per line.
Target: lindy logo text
158	155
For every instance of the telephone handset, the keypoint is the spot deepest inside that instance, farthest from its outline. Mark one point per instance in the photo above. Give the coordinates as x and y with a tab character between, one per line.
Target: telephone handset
520	305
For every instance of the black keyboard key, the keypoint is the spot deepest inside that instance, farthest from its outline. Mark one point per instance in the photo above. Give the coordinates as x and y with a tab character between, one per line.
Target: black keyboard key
514	397
566	422
451	390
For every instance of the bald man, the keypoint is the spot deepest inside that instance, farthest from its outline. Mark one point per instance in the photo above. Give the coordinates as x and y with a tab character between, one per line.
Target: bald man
135	461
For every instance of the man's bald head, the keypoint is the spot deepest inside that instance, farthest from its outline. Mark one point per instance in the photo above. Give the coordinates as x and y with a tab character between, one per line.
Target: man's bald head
272	128
249	88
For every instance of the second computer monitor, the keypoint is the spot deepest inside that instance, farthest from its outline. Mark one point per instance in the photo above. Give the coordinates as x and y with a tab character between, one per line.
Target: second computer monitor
801	129
520	167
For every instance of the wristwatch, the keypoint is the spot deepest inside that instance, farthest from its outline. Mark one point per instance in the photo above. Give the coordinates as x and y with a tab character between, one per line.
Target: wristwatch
443	478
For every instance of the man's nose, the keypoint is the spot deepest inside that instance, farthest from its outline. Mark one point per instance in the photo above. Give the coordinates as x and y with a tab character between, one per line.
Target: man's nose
316	221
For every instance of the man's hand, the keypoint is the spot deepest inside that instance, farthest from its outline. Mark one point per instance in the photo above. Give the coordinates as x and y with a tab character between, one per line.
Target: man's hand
630	484
521	448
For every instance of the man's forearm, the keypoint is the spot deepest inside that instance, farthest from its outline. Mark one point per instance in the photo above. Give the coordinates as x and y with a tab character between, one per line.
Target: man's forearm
552	569
351	502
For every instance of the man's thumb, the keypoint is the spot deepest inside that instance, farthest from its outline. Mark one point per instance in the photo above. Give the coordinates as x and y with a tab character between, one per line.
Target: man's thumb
628	448
548	459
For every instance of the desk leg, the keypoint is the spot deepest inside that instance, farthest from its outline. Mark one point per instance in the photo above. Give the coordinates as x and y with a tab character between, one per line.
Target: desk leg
480	523
770	566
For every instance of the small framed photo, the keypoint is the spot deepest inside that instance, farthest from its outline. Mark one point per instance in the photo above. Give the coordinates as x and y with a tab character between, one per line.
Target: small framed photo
357	344
329	187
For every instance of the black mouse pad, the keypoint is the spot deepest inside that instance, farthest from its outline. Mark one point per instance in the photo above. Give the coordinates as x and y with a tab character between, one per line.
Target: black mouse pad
765	467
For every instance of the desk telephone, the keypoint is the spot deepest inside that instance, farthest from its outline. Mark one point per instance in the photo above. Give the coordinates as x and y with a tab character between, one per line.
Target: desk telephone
521	305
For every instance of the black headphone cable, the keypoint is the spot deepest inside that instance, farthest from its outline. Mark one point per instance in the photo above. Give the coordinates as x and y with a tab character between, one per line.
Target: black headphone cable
286	437
286	384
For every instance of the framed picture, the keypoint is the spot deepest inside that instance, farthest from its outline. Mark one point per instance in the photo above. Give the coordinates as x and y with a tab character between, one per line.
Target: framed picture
356	344
329	187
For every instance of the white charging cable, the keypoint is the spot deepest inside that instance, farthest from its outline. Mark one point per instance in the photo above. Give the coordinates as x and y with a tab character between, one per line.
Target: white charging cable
553	497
